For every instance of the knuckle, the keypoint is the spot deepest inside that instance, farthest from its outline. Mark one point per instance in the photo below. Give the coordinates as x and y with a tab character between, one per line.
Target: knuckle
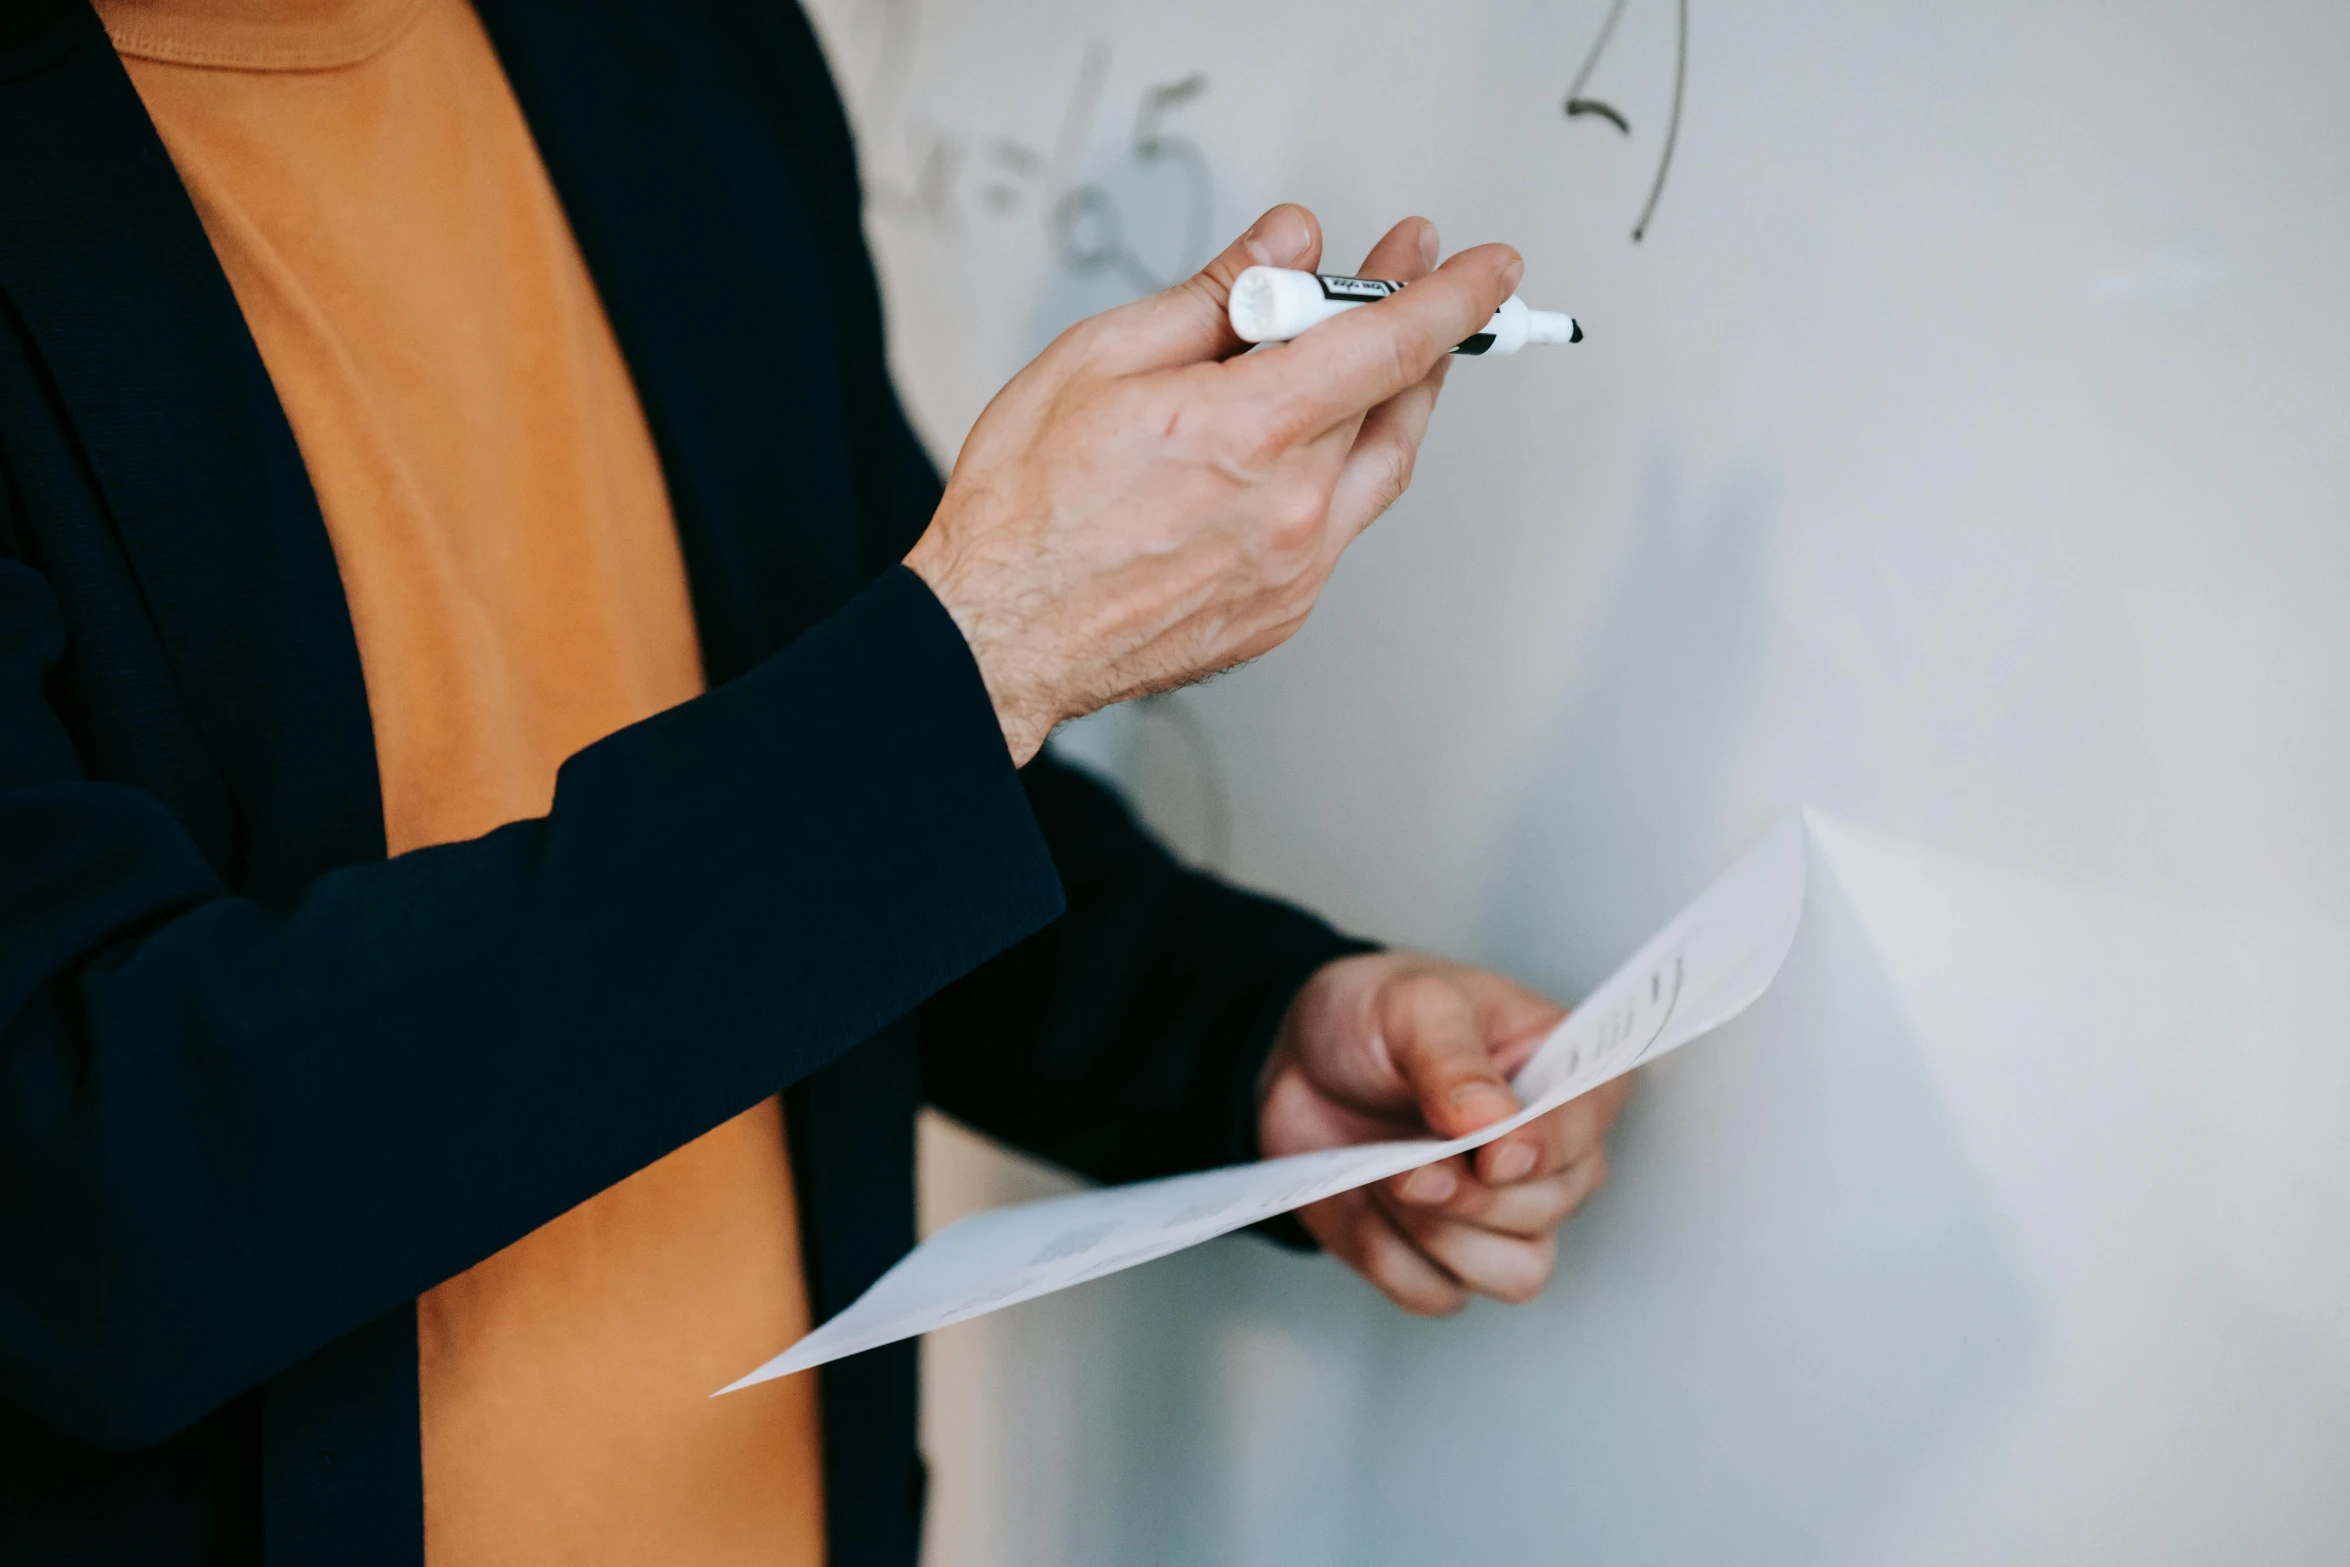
1426	1010
1529	1272
1291	420
1420	992
1248	445
1387	1260
1424	1295
1295	526
1394	473
1083	341
1557	1203
1568	1141
1596	1179
1405	360
1411	349
1578	1184
1209	287
1279	433
1285	627
1560	1153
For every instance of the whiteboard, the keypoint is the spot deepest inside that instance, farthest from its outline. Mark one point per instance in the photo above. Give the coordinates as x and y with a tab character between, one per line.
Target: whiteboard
1963	449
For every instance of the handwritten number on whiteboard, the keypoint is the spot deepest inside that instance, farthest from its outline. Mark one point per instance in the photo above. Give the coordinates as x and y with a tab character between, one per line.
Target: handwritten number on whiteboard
1578	105
1152	145
1086	223
1664	164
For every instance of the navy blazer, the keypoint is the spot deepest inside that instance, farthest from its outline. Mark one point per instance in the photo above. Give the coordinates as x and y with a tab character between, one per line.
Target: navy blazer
260	1086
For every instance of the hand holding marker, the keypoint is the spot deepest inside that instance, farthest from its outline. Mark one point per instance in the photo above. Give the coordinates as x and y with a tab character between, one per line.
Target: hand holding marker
1273	305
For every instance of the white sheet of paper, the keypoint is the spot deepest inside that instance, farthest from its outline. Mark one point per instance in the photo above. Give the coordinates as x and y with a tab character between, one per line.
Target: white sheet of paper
1705	967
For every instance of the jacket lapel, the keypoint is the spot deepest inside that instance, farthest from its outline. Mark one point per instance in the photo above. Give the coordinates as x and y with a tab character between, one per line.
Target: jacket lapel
702	235
700	231
105	262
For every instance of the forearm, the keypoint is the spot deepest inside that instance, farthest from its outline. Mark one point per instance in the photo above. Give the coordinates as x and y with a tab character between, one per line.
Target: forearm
228	1136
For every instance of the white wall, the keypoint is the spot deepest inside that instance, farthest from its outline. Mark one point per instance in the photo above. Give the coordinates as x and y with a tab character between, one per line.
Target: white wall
1966	450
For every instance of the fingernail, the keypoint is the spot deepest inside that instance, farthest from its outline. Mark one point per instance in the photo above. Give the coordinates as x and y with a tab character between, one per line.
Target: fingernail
1277	238
1488	1100
1513	1163
1428	244
1429	1185
1511	273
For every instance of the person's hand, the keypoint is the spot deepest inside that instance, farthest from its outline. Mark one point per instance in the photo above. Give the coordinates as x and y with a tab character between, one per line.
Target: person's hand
1145	504
1392	1044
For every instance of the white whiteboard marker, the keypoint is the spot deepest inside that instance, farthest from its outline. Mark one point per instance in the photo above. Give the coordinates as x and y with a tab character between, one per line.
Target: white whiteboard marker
1274	304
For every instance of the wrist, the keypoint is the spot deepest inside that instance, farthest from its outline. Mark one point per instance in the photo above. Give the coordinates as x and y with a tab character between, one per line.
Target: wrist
1025	715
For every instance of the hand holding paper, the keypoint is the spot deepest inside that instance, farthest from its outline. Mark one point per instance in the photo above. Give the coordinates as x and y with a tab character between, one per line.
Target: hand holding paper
1705	967
1390	1045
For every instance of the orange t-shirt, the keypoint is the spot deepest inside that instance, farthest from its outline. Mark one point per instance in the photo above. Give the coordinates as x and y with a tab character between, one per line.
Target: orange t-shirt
504	538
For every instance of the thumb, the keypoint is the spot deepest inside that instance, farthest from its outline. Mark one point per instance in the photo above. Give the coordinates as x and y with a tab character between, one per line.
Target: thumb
1188	322
1434	1038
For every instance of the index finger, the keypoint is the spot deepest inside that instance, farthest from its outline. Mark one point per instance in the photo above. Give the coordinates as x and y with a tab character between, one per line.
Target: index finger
1434	1038
1359	360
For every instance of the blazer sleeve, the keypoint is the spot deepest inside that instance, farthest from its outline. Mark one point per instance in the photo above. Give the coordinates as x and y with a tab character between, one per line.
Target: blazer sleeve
231	1134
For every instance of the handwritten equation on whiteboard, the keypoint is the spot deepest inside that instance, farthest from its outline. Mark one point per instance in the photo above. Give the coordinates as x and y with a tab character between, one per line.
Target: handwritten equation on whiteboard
953	177
1580	104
